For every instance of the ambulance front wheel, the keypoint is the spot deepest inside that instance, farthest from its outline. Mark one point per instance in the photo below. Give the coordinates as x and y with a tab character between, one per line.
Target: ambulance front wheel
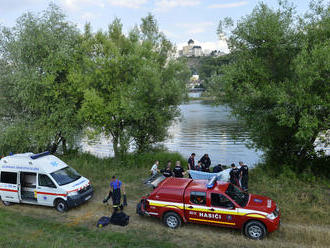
6	203
172	220
255	230
61	205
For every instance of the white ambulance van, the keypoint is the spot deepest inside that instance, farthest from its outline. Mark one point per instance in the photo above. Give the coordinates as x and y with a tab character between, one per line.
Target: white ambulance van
42	179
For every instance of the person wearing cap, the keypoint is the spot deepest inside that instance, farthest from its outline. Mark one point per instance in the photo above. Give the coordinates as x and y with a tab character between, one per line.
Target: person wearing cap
244	175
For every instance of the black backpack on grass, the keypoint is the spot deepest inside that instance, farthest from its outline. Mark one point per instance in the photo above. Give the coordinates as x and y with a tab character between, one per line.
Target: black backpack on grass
119	218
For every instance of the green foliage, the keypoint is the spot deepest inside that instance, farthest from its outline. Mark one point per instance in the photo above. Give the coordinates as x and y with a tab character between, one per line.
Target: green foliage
35	96
132	86
278	81
54	81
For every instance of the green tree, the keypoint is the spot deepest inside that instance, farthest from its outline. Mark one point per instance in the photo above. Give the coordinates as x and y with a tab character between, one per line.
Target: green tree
278	81
38	104
132	85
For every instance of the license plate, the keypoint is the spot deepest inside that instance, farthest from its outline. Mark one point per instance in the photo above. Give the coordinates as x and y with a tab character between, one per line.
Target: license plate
88	197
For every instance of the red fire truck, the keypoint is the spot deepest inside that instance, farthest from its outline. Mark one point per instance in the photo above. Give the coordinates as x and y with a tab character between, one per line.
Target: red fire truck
178	200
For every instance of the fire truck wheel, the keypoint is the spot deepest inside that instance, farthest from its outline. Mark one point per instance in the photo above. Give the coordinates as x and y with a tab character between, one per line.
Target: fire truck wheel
255	230
138	209
61	205
172	220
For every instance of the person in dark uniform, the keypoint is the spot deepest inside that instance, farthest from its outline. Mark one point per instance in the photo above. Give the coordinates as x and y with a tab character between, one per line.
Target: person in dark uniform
244	176
234	175
178	171
206	162
217	168
199	166
167	172
191	162
115	192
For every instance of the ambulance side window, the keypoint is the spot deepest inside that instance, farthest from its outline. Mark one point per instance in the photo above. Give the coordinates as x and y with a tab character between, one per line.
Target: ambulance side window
45	181
218	200
198	198
8	177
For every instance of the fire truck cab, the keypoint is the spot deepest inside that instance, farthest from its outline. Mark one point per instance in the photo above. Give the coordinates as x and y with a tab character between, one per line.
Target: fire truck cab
178	200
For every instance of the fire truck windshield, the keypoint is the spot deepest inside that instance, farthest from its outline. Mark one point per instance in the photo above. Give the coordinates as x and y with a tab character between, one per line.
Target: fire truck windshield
239	196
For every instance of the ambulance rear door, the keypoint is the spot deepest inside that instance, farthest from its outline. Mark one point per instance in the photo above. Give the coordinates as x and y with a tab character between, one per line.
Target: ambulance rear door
9	187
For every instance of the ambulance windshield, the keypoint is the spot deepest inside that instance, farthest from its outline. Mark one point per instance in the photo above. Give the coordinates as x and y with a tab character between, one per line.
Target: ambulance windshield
239	196
65	176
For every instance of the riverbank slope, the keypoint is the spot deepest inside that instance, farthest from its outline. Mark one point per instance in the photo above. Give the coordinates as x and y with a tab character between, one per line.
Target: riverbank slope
304	205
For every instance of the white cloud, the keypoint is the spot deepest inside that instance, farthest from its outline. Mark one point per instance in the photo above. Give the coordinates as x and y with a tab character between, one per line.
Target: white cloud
164	5
195	28
228	5
135	4
169	33
74	5
88	16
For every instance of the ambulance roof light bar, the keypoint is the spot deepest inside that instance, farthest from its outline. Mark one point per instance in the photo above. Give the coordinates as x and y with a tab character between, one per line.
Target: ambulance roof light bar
39	155
212	181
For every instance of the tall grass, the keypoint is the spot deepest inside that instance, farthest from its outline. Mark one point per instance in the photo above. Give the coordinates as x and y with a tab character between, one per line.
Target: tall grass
302	199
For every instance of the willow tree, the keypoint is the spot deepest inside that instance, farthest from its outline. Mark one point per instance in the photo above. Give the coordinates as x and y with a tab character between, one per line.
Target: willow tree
278	81
132	84
38	104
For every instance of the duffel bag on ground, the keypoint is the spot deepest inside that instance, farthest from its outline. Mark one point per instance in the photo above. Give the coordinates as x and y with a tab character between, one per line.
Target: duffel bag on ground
103	221
119	218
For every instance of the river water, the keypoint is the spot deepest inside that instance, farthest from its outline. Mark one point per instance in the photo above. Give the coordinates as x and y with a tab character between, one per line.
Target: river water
202	128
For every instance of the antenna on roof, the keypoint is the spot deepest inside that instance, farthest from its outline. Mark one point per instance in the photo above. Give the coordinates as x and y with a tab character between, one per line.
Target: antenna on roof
39	155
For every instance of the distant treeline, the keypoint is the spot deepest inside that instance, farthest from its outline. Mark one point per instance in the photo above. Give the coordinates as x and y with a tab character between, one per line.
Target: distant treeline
57	82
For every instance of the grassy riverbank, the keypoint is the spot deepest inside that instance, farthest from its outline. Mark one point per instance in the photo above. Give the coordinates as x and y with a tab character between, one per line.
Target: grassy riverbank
304	205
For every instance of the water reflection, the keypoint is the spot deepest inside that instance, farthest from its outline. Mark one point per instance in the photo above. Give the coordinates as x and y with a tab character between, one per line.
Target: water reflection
202	128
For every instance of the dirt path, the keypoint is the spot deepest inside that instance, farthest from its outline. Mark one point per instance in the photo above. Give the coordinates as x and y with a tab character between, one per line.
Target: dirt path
190	235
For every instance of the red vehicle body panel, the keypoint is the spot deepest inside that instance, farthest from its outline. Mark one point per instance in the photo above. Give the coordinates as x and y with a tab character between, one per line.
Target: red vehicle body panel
175	194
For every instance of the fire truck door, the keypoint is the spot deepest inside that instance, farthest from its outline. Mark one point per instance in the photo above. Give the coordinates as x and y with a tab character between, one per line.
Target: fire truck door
223	209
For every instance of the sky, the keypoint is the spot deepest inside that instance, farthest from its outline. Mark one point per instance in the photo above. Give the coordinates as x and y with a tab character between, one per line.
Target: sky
179	20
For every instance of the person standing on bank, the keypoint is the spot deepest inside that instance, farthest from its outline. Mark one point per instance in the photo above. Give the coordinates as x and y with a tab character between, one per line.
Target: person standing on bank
167	172
244	175
206	162
234	175
191	162
115	192
178	171
154	169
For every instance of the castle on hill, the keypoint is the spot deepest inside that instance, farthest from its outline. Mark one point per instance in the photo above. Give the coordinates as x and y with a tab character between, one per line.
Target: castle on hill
192	50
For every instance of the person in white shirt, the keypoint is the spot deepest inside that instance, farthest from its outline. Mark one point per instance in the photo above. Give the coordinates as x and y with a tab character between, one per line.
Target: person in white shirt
154	169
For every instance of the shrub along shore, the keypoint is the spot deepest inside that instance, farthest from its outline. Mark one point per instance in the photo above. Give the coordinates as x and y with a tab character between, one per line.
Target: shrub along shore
304	203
